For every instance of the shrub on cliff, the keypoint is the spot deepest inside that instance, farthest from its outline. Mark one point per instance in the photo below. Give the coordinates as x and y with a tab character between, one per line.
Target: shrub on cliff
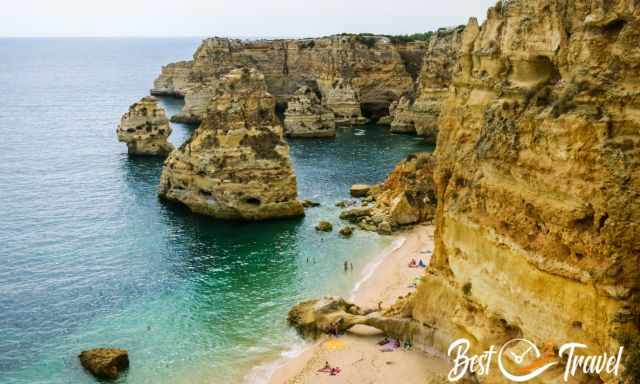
631	360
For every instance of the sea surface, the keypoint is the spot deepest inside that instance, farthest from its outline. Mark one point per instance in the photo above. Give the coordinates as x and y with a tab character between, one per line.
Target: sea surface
90	257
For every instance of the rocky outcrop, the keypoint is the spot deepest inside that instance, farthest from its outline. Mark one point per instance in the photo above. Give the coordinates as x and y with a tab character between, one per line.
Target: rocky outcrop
145	129
236	165
174	79
408	194
344	101
403	117
353	72
105	363
419	112
538	180
307	117
359	190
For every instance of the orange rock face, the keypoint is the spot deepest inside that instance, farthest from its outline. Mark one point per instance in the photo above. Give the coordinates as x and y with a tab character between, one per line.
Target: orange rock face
538	180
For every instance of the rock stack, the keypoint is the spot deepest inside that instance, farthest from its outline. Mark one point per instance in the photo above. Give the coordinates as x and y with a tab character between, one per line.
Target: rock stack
236	165
344	101
145	129
307	117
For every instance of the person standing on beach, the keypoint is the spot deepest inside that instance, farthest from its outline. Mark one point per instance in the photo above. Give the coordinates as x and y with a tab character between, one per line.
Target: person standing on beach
346	266
351	264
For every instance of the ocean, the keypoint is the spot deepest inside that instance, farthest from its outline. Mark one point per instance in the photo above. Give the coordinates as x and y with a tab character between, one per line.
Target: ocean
89	256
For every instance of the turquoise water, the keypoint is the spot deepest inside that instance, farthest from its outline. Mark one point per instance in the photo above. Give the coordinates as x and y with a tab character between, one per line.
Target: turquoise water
90	257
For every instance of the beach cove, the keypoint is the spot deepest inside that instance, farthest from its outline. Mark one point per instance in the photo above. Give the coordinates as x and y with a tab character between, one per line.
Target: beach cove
192	299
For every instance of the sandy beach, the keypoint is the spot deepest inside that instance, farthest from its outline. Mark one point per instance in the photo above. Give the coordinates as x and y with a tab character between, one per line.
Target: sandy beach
357	353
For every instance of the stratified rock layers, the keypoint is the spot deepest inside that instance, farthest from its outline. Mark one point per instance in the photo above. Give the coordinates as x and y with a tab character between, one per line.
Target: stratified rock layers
420	114
350	71
236	165
307	117
145	129
538	180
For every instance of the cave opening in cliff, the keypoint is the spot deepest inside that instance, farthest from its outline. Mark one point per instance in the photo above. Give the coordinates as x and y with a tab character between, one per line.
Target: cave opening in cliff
374	110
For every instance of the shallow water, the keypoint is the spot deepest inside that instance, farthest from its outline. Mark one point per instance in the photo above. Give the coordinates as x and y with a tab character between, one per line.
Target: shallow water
91	257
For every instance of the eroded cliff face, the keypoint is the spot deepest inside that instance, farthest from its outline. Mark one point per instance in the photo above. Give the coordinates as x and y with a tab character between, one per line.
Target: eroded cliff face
538	180
419	111
363	72
306	116
145	129
236	165
408	194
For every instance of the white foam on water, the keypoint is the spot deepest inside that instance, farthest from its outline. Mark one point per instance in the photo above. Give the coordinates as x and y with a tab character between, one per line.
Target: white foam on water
371	267
261	374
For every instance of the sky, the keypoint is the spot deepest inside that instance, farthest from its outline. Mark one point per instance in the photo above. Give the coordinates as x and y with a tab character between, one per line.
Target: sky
234	18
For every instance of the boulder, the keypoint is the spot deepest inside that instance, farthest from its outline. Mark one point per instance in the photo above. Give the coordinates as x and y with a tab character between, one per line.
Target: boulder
346	231
359	190
404	212
354	214
105	363
384	228
345	203
145	129
324	226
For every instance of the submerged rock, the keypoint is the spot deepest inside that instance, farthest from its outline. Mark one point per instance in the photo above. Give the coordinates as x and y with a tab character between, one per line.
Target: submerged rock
307	117
236	165
324	226
145	129
105	363
310	203
346	231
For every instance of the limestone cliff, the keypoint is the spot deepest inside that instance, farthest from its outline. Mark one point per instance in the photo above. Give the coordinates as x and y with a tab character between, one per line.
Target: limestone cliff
236	165
145	129
538	179
307	117
418	112
367	72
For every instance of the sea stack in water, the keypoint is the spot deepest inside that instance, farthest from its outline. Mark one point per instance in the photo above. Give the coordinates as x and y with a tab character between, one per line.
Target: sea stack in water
145	129
344	101
236	165
307	117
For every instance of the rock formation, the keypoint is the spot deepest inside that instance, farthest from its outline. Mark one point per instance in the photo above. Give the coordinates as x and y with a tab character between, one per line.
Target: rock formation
344	101
408	194
420	113
105	363
538	180
307	117
145	129
403	117
353	72
236	165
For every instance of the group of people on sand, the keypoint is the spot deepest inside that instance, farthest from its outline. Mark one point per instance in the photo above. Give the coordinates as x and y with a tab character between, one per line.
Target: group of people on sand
333	371
347	266
415	264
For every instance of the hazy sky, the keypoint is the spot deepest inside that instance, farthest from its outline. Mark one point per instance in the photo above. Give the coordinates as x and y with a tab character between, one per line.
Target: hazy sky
238	18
